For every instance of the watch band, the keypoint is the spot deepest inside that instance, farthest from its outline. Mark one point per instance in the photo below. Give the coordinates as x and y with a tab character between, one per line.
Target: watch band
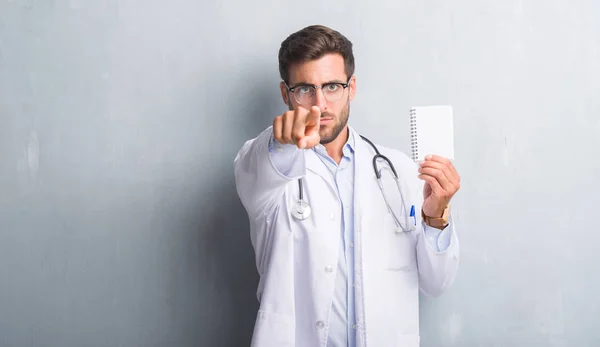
439	222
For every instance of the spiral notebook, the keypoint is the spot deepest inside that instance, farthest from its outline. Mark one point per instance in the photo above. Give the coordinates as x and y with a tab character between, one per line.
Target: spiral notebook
431	132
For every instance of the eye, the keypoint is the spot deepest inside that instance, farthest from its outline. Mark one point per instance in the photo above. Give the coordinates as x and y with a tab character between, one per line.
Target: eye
332	87
304	90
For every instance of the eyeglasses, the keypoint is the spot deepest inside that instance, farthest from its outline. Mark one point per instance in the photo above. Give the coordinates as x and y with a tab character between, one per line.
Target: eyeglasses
306	94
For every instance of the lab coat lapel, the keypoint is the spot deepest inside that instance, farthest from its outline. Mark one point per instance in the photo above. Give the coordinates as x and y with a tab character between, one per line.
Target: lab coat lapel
364	181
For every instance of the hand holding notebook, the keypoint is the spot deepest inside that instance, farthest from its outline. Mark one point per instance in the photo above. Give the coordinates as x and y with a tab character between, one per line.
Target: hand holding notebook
432	134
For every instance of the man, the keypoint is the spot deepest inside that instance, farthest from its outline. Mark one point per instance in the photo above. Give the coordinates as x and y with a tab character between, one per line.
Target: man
337	266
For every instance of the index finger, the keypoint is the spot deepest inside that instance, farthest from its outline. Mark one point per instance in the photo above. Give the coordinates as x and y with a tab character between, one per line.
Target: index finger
442	160
438	158
314	116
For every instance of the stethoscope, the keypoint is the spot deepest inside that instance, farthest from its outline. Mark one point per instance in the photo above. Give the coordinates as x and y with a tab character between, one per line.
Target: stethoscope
302	209
407	223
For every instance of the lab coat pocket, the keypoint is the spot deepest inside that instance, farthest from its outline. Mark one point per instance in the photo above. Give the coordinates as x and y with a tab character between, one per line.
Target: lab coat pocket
406	340
399	246
273	330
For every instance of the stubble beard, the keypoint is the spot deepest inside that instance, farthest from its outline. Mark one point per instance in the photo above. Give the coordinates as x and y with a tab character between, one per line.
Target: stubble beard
328	135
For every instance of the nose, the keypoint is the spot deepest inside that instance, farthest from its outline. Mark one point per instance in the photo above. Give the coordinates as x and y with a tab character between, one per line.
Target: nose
320	100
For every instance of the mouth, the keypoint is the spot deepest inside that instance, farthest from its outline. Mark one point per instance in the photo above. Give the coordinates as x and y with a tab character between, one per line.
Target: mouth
326	120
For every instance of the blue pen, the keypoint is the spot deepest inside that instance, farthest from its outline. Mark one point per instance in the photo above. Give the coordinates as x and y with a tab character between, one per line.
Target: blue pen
412	213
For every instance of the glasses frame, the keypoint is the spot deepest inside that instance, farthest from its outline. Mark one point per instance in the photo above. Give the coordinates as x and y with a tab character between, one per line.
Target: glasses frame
315	87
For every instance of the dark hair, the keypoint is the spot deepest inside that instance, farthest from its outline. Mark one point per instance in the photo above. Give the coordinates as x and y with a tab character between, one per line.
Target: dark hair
313	42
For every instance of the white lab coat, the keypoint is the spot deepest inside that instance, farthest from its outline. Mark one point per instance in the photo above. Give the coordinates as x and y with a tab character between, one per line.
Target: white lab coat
296	260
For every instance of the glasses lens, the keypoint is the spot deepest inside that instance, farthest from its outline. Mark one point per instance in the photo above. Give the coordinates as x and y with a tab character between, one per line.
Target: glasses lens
304	94
333	92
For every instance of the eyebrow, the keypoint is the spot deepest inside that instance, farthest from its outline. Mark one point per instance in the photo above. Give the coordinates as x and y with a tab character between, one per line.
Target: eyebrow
303	83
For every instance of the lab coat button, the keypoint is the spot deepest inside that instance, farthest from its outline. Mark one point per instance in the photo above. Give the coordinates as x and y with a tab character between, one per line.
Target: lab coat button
354	326
351	244
320	325
328	269
331	216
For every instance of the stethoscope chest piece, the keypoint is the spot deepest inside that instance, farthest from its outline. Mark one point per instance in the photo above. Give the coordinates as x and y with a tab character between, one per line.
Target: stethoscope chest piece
302	210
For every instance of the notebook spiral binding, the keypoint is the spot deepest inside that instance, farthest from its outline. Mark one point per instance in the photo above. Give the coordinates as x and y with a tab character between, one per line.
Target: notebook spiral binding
414	145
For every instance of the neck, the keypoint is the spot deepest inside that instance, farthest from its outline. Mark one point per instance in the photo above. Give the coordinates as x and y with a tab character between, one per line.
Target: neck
335	147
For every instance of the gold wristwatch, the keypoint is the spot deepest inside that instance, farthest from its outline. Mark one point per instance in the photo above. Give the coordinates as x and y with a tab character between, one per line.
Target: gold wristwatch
438	223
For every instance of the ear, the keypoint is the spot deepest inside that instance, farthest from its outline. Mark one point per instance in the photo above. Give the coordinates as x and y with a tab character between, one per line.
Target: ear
284	93
352	87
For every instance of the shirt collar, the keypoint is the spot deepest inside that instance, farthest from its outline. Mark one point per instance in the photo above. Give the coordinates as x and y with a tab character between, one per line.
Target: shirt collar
348	148
350	144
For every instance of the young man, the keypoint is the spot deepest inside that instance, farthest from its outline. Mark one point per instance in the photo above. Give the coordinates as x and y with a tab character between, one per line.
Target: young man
339	264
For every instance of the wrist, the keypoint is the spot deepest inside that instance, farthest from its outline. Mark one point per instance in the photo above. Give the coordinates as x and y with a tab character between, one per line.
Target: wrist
439	222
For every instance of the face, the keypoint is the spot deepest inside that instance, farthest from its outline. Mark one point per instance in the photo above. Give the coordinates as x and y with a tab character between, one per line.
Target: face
334	114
